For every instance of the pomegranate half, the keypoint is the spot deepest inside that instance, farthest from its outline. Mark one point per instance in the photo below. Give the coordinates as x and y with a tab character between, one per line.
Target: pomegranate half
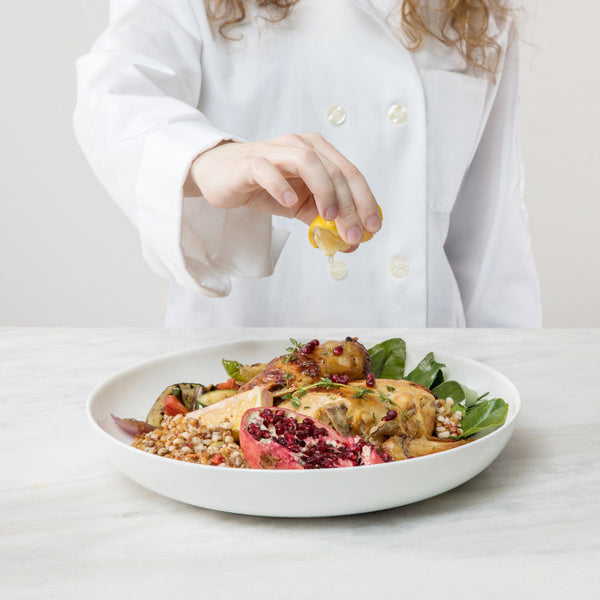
273	438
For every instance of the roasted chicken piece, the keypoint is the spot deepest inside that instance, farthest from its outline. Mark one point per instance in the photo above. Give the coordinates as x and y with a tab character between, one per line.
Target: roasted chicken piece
307	364
397	416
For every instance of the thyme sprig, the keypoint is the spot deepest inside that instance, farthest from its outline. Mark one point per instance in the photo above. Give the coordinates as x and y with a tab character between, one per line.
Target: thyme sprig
295	396
327	384
386	398
361	391
292	351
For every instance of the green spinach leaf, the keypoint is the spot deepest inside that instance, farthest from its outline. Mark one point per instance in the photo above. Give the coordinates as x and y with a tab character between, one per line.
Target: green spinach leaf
458	392
388	359
484	415
428	372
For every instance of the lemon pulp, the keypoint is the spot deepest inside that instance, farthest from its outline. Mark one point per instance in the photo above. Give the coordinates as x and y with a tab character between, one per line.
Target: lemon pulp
325	236
328	241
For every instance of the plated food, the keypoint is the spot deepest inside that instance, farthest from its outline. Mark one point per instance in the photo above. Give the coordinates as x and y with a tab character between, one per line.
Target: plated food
319	405
318	492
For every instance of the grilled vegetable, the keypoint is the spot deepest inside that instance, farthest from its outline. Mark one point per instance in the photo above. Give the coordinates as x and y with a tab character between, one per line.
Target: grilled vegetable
214	396
240	372
174	407
187	393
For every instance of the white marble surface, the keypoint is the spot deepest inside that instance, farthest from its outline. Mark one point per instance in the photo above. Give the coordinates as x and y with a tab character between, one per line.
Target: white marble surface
72	526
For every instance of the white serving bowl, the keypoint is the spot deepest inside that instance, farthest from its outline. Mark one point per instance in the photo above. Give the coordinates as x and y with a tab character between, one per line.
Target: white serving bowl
304	493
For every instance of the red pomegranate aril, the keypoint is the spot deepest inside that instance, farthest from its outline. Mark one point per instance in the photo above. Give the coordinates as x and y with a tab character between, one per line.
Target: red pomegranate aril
296	442
314	342
343	379
391	414
254	431
370	380
338	350
268	416
307	349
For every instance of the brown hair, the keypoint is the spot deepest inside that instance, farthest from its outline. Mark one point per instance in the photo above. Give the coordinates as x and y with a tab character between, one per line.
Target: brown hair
459	24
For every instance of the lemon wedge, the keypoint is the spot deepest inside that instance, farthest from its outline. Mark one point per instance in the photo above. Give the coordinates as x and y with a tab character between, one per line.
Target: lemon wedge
325	236
231	409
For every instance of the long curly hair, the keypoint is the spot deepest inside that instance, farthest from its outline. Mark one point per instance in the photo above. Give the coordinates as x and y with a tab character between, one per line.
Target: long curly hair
459	24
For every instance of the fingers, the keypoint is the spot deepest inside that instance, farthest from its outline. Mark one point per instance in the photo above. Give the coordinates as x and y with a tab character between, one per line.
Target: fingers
305	162
269	177
362	196
348	220
353	204
333	185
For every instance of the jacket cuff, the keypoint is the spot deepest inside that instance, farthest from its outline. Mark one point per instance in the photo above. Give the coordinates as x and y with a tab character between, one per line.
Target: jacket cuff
186	238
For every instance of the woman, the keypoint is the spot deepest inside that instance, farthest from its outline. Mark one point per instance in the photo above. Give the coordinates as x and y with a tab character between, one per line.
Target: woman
212	126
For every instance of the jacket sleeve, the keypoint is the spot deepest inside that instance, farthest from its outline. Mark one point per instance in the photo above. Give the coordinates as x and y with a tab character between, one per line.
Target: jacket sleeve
138	124
488	243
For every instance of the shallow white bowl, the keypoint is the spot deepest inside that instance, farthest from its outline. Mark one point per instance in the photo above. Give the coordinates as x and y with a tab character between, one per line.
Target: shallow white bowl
310	493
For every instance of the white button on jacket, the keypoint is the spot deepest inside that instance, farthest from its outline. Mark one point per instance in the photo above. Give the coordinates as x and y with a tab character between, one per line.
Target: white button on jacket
436	143
397	114
336	114
398	267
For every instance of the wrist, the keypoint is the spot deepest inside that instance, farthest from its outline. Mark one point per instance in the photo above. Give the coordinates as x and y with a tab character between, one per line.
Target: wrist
192	186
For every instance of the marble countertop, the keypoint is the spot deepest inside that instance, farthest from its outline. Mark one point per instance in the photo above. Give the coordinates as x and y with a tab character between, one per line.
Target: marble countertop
73	526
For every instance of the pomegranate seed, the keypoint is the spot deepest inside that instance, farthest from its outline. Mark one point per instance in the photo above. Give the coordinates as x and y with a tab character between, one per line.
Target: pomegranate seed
312	445
391	414
254	431
315	343
343	379
370	380
307	348
338	350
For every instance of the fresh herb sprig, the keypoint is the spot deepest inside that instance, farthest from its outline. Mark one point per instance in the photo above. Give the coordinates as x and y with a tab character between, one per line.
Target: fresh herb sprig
292	351
325	383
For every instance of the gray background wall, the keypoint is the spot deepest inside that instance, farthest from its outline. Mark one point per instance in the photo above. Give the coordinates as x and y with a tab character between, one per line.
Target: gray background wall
70	258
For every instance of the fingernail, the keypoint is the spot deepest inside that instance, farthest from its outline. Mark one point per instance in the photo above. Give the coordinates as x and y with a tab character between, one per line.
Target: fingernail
373	224
354	235
331	213
289	198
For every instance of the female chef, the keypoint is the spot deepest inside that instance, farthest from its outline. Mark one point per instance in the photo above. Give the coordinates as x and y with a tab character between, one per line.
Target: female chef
223	128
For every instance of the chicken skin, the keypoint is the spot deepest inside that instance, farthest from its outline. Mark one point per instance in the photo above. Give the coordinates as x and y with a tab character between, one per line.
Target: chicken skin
397	416
306	365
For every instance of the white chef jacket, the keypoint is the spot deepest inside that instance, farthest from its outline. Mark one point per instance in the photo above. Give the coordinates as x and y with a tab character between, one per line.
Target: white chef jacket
436	142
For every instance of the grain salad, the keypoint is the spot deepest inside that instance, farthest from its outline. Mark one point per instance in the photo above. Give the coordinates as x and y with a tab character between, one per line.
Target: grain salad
448	421
187	440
